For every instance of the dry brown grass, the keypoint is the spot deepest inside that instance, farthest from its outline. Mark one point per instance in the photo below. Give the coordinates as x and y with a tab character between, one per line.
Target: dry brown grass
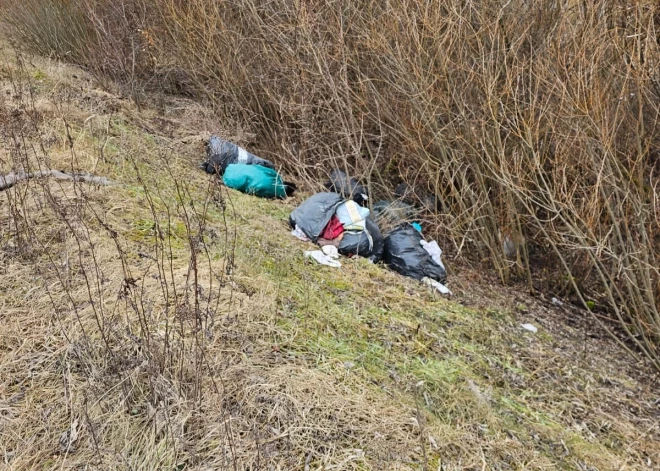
534	122
165	323
124	338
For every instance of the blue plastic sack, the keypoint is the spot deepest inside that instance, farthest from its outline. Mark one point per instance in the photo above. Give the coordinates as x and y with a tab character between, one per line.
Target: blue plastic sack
352	215
254	180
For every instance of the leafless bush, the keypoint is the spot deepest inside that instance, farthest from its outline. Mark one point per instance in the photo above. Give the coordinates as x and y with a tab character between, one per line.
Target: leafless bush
137	334
533	123
108	38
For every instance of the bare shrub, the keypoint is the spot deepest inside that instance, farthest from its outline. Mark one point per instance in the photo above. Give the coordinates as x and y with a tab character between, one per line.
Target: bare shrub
129	340
534	124
108	38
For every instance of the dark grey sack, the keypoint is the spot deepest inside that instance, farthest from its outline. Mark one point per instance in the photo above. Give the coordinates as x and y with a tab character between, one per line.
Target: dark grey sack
368	243
221	153
379	242
315	213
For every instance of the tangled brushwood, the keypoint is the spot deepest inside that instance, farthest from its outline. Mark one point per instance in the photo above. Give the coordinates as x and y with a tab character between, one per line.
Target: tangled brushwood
534	124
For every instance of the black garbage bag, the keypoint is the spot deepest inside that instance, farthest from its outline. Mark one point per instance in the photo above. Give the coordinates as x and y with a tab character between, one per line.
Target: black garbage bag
379	242
349	188
404	254
368	243
221	153
315	213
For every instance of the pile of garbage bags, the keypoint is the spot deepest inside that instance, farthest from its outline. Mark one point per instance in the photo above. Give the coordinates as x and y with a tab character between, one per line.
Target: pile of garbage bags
330	219
244	171
337	221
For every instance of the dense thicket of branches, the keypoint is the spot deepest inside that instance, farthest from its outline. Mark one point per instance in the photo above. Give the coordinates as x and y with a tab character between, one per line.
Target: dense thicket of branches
534	122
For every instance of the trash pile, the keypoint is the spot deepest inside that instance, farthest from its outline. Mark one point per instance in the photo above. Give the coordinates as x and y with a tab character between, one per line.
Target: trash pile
330	219
340	225
244	171
338	221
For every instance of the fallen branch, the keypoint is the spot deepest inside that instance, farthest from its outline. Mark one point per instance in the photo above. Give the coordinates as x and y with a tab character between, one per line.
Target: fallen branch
9	180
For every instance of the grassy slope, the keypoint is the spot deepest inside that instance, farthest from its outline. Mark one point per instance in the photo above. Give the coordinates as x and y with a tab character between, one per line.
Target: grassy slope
305	367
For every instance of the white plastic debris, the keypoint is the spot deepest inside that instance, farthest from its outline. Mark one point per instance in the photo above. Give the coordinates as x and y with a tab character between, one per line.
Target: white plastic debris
530	328
331	251
297	232
322	258
437	285
434	251
509	247
557	302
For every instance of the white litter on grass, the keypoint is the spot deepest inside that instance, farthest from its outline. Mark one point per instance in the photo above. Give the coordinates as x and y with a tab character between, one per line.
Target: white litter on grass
557	302
437	285
322	258
297	232
530	328
331	251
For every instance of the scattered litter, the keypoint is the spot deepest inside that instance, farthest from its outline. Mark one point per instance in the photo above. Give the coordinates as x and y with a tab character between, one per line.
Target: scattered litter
420	199
413	421
557	302
349	188
394	211
434	250
417	226
331	251
349	364
509	247
437	285
530	328
256	180
404	254
69	437
220	154
322	258
297	232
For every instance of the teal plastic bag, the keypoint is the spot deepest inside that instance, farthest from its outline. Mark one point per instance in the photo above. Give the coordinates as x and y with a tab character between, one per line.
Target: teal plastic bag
254	180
